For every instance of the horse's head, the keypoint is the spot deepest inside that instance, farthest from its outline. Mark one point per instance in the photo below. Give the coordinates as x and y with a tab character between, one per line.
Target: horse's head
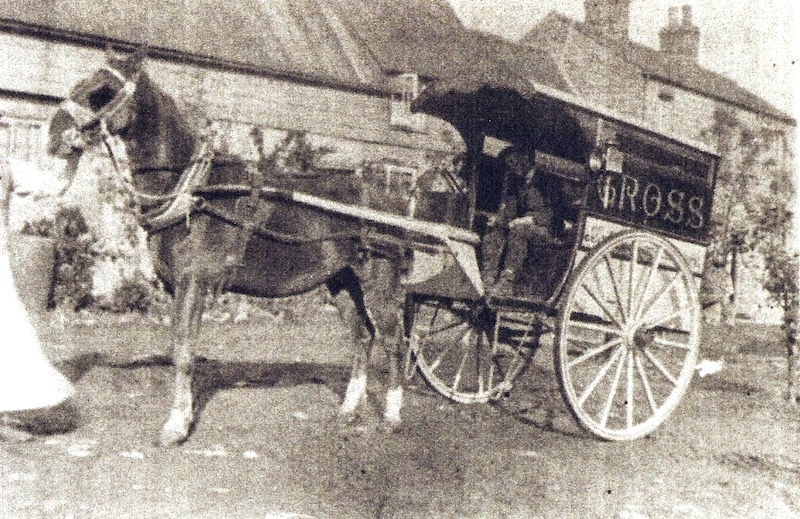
119	99
97	106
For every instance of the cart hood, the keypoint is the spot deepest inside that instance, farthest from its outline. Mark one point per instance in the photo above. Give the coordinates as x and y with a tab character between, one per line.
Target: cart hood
508	107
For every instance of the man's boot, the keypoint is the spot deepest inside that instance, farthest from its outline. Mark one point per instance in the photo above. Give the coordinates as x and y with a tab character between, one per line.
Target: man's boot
516	250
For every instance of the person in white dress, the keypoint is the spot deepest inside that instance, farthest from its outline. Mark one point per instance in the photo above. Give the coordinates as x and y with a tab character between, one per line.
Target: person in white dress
27	378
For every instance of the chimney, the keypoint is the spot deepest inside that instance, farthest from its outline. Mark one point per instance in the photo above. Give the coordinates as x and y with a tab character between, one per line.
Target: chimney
680	38
608	17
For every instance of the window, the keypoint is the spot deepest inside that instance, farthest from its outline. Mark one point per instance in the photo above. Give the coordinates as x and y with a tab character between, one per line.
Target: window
400	179
21	139
406	90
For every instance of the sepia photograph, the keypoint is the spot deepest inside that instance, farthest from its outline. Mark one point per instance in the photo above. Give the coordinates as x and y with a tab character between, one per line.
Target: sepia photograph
446	259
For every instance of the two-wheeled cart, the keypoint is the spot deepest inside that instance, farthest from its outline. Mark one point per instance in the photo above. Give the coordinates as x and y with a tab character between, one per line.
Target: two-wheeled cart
619	292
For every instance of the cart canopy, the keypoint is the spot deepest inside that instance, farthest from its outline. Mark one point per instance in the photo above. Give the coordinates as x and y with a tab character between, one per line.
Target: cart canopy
508	107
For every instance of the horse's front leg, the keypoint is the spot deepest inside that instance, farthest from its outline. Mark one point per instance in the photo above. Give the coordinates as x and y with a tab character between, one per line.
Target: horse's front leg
189	304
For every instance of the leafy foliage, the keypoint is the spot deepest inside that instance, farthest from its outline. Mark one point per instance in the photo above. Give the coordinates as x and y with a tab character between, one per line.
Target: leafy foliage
74	256
753	198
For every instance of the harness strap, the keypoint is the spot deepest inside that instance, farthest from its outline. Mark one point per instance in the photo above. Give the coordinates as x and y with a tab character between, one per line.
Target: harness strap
181	202
291	239
247	209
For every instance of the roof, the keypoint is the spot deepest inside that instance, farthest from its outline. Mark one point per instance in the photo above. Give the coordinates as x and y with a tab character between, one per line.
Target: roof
426	37
653	63
303	38
342	42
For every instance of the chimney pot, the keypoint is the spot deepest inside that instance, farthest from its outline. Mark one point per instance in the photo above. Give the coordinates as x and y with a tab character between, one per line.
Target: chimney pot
680	38
609	17
687	15
674	16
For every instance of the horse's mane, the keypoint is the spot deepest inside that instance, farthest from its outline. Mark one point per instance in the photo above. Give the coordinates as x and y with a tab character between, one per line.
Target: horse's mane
164	139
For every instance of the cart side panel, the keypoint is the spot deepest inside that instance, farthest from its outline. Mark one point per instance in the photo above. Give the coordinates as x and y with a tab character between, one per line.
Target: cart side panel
670	205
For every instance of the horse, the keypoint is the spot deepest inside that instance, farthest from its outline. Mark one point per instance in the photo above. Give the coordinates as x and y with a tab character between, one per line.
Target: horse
240	242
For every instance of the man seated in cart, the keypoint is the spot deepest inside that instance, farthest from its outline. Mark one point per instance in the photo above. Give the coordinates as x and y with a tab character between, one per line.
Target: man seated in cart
526	215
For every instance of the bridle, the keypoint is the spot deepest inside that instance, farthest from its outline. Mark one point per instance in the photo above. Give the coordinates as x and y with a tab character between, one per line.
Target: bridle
93	126
89	124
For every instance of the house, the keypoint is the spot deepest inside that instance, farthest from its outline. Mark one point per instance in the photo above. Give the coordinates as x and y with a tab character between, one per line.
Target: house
666	88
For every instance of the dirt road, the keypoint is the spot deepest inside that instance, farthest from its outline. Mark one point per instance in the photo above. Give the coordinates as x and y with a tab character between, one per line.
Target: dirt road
266	444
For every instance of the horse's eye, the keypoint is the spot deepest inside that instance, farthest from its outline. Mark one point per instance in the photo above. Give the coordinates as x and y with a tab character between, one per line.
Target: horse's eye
100	97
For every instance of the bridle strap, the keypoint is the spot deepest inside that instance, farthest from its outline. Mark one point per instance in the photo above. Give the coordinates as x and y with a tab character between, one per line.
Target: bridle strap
86	118
176	205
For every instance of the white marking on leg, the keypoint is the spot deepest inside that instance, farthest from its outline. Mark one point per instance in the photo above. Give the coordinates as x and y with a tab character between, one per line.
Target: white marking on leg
178	422
394	402
356	389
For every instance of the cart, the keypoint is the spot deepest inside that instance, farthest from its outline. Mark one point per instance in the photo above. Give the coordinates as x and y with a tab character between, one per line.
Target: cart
619	294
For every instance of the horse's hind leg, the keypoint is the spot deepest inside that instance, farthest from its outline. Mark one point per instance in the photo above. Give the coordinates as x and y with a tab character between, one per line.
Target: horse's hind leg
349	301
189	303
394	393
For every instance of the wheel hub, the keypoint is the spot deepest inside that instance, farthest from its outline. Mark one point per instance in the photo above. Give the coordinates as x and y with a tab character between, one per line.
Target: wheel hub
639	338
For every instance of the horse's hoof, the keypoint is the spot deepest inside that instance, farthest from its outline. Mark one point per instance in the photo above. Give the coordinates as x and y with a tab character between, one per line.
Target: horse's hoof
170	438
391	426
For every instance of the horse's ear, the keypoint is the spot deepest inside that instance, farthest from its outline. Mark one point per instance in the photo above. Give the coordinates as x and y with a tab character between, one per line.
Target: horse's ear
139	55
110	55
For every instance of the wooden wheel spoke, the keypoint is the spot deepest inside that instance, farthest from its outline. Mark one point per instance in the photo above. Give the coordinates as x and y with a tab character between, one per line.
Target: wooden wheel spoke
492	364
435	314
614	386
629	393
595	327
614	285
446	350
465	350
602	373
445	328
666	318
653	300
481	365
645	285
657	363
601	304
675	344
632	275
646	384
588	354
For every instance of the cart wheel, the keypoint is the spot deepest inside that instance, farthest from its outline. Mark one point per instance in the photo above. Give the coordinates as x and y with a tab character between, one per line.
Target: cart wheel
466	352
627	335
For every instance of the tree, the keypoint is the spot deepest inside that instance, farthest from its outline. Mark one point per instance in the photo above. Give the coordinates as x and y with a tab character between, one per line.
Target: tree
751	158
778	246
753	213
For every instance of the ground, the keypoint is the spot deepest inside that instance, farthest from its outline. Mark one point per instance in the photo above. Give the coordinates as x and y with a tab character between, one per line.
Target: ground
266	444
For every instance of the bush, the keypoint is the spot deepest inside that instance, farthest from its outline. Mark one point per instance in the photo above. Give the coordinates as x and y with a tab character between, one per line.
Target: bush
132	295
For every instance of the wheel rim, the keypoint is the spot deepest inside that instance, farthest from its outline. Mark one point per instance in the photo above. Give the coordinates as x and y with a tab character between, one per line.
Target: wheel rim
459	351
628	336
